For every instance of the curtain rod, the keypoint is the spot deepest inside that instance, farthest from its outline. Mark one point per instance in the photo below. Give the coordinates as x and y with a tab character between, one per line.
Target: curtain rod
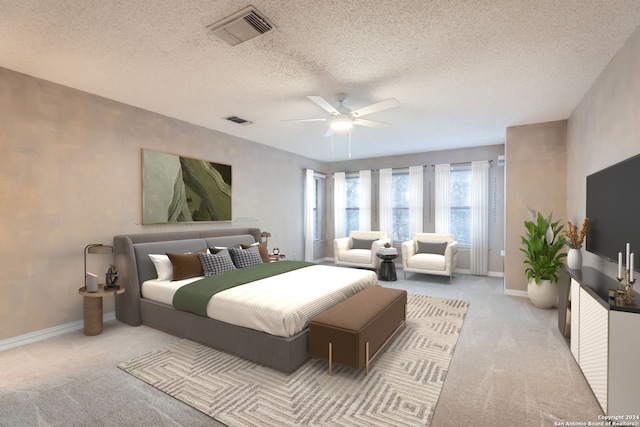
378	169
315	172
462	163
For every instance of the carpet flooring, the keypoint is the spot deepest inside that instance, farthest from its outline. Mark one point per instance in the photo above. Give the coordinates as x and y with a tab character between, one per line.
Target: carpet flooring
402	387
511	367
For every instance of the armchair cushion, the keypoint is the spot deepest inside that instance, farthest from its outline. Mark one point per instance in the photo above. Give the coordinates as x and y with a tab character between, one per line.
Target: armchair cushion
426	261
431	248
362	243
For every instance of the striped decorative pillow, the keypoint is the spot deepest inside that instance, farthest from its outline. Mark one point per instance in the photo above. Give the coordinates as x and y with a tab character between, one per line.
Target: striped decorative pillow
219	263
245	257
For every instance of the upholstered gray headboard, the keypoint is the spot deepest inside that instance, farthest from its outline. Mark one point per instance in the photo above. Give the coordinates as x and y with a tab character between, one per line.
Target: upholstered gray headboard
134	265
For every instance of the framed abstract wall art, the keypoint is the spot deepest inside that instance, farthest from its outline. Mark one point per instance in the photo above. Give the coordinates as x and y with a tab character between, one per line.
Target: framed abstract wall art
183	189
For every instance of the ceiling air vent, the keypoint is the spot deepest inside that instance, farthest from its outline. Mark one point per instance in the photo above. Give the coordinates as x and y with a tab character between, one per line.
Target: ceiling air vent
238	120
241	26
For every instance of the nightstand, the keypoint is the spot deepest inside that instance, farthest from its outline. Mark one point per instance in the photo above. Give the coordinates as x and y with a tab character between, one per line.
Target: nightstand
276	257
93	308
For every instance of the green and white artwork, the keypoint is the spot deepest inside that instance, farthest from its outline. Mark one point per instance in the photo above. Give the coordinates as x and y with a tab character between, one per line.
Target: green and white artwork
183	189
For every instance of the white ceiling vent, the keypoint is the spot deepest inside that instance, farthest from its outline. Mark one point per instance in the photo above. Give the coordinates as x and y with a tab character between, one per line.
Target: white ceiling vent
242	26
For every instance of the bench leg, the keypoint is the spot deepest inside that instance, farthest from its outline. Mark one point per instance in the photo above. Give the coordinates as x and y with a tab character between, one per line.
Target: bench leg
330	359
366	358
405	316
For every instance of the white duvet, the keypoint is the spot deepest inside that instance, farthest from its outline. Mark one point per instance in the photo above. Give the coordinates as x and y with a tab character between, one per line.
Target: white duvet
281	305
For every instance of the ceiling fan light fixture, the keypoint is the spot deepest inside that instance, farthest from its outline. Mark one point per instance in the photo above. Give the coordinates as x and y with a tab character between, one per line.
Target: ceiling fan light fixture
341	123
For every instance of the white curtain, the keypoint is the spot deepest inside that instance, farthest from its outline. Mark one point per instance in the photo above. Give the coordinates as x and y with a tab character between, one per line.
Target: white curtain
339	205
416	197
479	251
442	204
365	201
309	198
385	201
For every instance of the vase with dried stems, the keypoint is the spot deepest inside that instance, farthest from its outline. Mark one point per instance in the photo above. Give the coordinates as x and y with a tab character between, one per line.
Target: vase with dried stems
574	241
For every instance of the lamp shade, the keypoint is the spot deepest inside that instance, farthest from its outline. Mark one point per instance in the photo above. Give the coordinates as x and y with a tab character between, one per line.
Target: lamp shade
98	248
94	248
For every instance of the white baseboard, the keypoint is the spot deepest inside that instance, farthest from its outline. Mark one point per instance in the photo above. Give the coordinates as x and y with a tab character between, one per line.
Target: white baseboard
516	293
495	274
48	333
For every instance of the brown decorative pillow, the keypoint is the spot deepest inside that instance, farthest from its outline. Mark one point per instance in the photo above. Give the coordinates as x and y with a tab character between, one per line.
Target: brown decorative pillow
186	265
262	249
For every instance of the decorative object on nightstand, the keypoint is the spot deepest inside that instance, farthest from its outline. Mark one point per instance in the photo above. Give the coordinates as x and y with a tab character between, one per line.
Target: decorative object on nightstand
543	243
111	279
276	255
91	280
574	241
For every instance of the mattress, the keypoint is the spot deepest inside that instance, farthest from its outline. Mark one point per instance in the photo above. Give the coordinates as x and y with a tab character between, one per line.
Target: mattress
281	305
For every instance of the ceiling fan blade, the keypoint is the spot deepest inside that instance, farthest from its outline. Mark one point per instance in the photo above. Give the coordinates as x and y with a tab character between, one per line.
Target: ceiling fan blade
304	120
320	101
370	123
374	108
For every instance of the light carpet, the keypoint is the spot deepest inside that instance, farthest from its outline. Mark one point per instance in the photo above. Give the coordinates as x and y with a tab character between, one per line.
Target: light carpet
402	387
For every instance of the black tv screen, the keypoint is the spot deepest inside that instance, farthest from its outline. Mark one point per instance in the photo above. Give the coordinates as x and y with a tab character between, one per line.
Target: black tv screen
613	209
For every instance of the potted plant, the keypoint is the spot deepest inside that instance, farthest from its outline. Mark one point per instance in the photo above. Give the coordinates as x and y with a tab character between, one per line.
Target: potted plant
543	245
574	241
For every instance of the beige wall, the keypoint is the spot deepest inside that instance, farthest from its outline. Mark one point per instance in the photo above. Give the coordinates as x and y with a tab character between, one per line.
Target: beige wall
605	129
71	175
536	158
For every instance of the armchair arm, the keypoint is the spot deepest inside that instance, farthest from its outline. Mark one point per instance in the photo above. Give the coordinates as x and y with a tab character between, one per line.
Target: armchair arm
377	245
340	245
408	250
452	249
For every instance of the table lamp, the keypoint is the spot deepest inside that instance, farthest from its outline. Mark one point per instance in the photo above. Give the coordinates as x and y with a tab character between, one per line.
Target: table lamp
266	235
91	280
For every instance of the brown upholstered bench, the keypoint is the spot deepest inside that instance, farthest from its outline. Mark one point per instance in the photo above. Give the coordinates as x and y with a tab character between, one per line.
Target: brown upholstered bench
351	331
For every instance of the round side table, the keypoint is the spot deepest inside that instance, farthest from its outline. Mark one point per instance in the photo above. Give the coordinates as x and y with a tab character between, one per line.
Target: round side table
93	308
387	269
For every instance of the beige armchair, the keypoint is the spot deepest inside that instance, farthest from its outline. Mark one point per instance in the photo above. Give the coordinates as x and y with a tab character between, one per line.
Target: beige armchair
359	249
430	253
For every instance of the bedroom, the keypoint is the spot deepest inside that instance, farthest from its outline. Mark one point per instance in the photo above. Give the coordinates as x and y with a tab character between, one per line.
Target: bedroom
71	176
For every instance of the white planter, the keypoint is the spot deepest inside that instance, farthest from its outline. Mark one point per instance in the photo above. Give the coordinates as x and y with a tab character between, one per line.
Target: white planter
543	294
574	259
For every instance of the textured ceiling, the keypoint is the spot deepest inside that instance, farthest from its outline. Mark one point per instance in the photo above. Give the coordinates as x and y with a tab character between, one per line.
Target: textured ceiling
462	71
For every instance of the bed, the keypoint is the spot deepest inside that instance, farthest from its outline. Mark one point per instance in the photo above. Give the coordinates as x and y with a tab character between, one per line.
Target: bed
283	347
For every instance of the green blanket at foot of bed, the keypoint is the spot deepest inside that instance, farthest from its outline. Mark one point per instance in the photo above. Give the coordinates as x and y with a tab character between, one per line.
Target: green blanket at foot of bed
195	296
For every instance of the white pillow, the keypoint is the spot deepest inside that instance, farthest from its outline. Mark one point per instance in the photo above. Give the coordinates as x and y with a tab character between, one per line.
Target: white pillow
164	268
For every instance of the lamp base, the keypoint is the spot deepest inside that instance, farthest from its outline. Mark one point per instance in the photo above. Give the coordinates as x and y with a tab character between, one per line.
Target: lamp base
112	288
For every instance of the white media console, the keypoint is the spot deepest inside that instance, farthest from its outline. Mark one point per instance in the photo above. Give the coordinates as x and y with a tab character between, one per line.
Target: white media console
605	340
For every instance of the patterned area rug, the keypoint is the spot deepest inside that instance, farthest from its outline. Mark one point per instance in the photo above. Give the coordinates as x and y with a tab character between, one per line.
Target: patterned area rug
402	387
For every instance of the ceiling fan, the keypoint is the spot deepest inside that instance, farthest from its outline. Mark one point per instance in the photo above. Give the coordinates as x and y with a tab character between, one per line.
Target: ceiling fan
343	119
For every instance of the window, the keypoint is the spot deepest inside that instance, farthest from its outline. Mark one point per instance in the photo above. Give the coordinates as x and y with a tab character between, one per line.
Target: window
460	202
318	207
400	206
352	202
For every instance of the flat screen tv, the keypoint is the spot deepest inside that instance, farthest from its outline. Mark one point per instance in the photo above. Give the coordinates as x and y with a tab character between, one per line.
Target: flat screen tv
613	209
